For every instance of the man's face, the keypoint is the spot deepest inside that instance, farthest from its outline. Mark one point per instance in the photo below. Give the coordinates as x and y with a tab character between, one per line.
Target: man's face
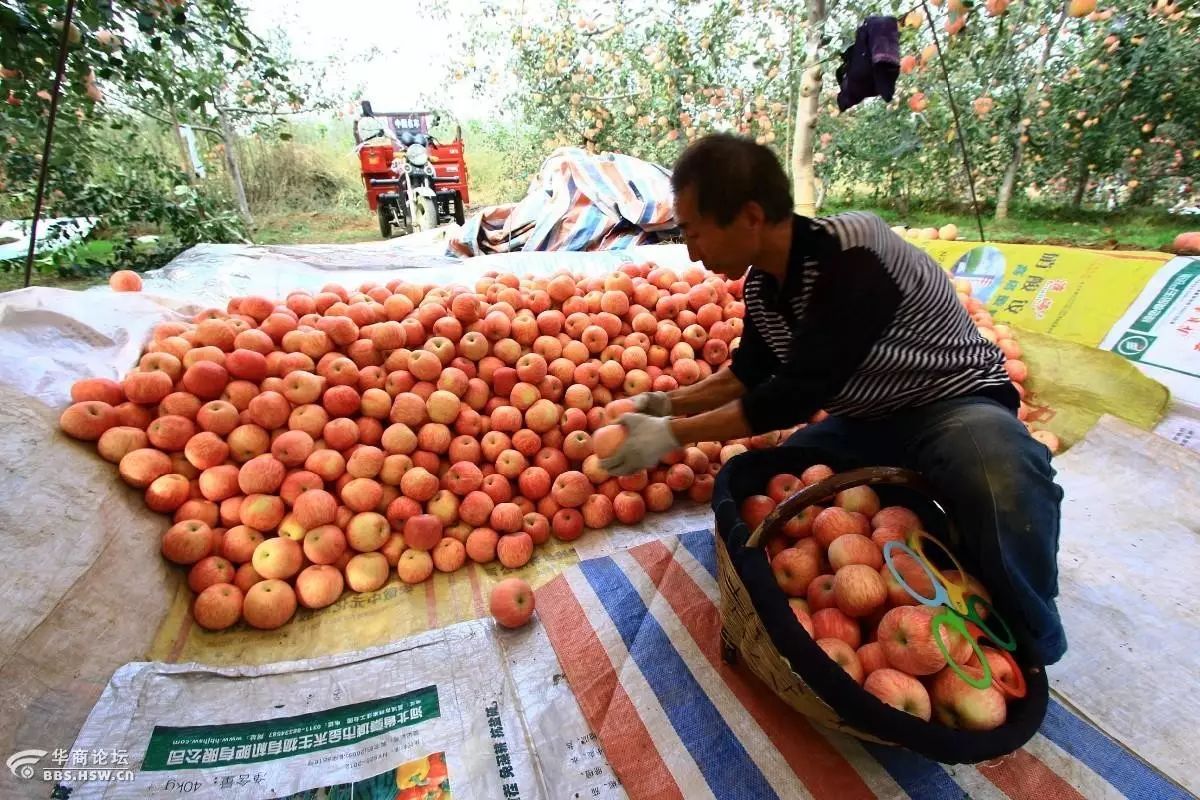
727	250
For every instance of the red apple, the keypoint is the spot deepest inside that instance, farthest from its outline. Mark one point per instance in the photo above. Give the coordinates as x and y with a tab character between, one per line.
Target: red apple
881	536
907	638
844	655
896	517
783	486
858	590
861	499
871	657
800	610
834	522
1001	668
899	691
912	573
755	509
960	705
815	474
794	570
511	602
829	623
854	548
567	524
801	525
821	593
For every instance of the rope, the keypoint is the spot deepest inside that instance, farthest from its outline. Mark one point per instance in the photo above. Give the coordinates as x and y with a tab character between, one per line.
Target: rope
962	142
45	168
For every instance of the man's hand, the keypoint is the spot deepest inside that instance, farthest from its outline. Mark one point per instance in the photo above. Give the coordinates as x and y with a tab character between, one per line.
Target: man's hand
648	439
655	404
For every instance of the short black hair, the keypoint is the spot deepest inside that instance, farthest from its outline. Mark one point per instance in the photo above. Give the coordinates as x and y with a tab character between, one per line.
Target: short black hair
729	171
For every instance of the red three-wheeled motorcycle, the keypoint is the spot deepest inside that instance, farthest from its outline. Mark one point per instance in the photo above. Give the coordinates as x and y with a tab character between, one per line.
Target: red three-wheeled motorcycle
414	182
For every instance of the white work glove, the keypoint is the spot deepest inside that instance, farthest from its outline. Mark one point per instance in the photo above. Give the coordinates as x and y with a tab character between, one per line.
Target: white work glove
656	404
648	440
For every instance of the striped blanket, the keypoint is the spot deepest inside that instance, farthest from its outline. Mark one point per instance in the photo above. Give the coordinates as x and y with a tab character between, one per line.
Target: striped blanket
638	635
577	201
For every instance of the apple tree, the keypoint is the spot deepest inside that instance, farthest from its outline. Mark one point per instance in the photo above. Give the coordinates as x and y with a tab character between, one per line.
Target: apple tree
134	70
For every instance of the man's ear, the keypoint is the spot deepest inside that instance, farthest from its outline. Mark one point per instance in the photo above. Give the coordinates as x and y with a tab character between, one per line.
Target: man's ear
752	215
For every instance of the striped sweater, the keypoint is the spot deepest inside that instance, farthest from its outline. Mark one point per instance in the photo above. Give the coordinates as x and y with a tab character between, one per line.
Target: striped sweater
863	325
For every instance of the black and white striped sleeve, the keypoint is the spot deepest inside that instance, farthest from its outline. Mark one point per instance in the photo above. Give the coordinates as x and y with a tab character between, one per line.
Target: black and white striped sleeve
853	302
752	361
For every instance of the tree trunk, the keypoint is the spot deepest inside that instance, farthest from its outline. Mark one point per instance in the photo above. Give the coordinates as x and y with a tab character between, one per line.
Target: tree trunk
792	89
1085	174
803	174
235	171
185	158
1032	90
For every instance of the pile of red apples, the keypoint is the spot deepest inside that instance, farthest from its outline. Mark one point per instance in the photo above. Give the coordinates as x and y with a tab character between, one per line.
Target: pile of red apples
1005	338
314	446
829	561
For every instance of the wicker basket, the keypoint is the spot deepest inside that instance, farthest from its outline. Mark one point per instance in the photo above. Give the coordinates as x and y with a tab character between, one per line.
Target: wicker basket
836	702
744	637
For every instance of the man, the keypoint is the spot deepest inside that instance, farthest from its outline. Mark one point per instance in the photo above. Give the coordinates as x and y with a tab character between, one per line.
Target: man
844	315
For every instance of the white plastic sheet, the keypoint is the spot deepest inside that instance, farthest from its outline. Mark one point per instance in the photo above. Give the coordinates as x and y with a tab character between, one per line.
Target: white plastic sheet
51	235
53	337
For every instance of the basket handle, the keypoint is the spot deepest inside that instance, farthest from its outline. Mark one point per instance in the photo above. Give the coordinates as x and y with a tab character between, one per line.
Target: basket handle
825	490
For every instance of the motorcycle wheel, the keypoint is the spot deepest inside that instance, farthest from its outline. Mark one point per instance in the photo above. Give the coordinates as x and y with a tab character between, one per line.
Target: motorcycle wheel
385	226
427	216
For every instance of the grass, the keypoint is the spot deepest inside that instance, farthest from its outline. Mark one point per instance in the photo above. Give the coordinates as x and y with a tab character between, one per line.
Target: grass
337	226
15	279
1090	229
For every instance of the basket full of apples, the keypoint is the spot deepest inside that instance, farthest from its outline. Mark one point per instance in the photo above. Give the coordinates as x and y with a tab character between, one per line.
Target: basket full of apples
850	593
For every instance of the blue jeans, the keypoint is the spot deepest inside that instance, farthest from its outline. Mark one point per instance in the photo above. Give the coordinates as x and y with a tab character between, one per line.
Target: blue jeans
995	480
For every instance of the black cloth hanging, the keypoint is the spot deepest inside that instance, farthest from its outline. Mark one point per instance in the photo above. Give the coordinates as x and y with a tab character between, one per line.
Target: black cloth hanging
871	65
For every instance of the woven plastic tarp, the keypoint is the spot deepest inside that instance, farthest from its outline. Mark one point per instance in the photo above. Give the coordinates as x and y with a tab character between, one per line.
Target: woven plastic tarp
638	637
578	201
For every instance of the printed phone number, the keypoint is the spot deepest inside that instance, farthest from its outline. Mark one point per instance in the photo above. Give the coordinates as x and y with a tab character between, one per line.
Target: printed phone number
353	754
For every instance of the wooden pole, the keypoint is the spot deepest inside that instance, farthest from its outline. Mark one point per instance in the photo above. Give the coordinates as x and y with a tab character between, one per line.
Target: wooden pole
44	167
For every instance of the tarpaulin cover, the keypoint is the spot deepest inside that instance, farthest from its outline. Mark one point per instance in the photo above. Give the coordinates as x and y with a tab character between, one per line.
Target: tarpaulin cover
83	585
638	635
577	201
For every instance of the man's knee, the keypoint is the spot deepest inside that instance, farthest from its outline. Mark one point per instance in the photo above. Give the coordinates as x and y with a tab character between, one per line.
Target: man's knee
1011	457
992	433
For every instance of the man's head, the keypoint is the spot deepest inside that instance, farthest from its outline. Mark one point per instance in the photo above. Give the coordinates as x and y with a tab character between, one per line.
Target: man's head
728	191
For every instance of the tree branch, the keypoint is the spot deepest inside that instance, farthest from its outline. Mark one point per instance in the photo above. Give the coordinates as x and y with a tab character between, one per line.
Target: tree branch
164	120
261	113
614	96
600	32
